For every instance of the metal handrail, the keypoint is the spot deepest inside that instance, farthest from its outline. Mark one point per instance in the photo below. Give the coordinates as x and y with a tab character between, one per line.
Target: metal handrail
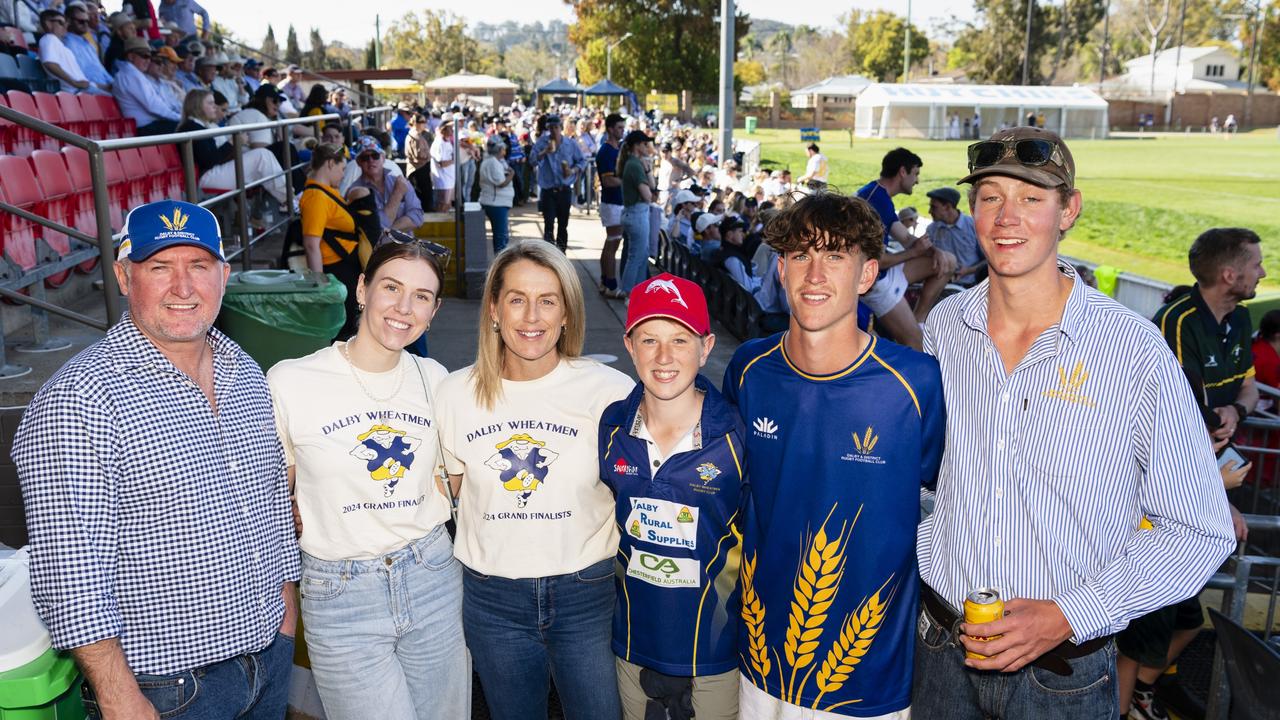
105	238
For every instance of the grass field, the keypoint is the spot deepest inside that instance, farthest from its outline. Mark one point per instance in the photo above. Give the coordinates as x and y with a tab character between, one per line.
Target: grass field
1145	200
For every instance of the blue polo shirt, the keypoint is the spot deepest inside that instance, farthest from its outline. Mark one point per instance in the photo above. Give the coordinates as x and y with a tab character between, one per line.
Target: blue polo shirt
607	164
679	549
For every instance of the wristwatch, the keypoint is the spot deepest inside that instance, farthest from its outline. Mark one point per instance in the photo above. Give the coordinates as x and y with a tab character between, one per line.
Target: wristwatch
1240	410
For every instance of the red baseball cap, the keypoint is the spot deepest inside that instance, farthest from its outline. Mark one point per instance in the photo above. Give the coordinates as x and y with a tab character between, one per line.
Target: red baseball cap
671	297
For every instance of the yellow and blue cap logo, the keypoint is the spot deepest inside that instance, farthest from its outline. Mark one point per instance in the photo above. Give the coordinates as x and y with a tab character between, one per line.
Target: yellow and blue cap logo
155	226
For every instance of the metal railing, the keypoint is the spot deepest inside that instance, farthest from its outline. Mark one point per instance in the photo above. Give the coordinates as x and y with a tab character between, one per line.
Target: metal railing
14	279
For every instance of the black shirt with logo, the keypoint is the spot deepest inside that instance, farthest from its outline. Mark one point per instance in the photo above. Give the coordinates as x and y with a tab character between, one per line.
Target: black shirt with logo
1217	353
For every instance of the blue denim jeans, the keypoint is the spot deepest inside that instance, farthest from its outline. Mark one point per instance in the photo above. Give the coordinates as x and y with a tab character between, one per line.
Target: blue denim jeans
253	687
498	220
521	631
385	635
635	246
944	688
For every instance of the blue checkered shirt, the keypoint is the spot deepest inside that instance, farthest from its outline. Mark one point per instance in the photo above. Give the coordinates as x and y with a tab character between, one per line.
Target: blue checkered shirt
151	518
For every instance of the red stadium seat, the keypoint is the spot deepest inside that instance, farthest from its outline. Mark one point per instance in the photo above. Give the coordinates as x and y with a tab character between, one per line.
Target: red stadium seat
166	176
58	204
8	132
135	174
96	116
20	189
86	217
73	117
50	112
26	139
121	126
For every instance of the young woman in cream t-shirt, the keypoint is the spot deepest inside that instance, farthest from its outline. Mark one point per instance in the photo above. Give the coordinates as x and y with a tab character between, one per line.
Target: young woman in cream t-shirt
381	590
536	534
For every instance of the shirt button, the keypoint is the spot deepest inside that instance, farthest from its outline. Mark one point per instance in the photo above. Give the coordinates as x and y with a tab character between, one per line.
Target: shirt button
1000	444
1004	397
999	493
997	542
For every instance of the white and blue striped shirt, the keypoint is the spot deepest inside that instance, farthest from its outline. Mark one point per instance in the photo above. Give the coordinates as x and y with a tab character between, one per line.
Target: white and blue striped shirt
1049	469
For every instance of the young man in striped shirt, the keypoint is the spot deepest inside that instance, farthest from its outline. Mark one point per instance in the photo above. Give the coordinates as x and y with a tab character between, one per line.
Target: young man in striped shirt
1070	420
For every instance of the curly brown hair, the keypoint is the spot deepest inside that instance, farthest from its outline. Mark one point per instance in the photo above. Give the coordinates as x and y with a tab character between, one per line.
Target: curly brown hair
827	220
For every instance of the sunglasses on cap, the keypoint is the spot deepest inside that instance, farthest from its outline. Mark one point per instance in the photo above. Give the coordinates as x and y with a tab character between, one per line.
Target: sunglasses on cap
436	250
1032	152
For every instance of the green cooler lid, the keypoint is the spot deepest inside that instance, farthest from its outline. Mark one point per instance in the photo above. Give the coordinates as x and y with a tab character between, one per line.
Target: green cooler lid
266	282
38	682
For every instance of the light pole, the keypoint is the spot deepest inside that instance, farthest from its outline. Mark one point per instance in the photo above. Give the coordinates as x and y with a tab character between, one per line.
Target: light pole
906	48
608	56
728	16
1026	57
1106	38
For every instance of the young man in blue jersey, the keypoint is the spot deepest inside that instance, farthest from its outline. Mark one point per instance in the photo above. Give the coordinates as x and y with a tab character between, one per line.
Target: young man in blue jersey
672	455
1069	421
843	431
918	261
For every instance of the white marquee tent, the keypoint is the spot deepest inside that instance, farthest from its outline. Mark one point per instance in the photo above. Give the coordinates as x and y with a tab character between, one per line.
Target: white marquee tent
925	110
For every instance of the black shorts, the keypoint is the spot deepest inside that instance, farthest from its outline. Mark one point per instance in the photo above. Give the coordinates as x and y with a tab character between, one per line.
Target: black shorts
1147	638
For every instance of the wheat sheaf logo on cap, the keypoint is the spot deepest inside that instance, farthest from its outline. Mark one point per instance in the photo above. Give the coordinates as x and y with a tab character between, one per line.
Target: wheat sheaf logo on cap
178	223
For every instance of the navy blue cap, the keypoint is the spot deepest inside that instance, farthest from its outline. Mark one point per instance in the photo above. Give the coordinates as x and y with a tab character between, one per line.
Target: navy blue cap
155	226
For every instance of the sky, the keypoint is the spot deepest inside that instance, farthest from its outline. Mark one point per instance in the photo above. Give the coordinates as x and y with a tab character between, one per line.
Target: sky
350	23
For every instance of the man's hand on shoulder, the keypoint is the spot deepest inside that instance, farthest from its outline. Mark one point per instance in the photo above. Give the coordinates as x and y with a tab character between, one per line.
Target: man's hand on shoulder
1029	629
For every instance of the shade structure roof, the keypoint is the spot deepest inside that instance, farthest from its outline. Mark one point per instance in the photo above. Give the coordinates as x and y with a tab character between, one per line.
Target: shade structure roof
606	87
922	94
560	86
470	81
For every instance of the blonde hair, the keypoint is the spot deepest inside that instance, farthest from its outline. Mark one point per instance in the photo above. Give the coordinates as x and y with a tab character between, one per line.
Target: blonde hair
486	374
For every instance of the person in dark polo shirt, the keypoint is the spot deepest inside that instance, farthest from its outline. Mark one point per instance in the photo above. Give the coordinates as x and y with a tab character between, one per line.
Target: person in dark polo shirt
1211	336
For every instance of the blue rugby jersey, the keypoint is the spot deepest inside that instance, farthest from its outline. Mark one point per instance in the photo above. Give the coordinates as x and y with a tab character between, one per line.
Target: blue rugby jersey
680	544
829	582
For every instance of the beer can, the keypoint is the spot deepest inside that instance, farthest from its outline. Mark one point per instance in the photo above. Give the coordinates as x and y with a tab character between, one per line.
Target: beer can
983	605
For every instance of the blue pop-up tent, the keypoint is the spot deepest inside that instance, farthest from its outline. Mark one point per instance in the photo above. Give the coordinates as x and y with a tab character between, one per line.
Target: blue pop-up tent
606	87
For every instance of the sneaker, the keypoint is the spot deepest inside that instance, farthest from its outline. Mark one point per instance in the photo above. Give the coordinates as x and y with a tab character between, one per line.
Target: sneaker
1145	706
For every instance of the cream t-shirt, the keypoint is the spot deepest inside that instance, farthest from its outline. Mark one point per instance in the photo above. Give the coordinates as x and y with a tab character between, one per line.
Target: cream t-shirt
532	504
365	470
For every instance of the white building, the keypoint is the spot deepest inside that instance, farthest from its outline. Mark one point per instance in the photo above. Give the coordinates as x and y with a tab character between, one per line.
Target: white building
837	90
1186	69
925	110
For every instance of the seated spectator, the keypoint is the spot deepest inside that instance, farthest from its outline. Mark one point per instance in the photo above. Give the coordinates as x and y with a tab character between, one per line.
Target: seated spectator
163	72
138	96
292	87
910	219
315	105
398	205
20	15
122	28
97	32
680	227
144	18
215	157
332	225
774	187
263	107
954	232
338	103
332	135
208	66
734	256
252	75
186	70
58	59
1266	350
230	82
273	76
706	234
81	43
183	14
220	103
353	170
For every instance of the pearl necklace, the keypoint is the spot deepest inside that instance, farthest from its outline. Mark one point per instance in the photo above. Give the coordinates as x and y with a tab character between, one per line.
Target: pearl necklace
350	365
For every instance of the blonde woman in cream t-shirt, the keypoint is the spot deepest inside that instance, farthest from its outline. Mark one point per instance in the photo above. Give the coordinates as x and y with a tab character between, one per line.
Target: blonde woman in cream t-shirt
536	534
381	590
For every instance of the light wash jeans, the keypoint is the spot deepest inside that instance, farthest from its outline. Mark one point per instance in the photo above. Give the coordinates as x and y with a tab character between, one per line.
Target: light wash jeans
521	631
385	635
254	686
635	246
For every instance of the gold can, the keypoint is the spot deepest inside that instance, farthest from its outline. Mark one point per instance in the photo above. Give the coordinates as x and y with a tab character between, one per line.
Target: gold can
982	606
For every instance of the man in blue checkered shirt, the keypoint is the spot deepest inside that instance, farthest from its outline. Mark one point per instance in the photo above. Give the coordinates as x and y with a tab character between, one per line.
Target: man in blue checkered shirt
163	553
